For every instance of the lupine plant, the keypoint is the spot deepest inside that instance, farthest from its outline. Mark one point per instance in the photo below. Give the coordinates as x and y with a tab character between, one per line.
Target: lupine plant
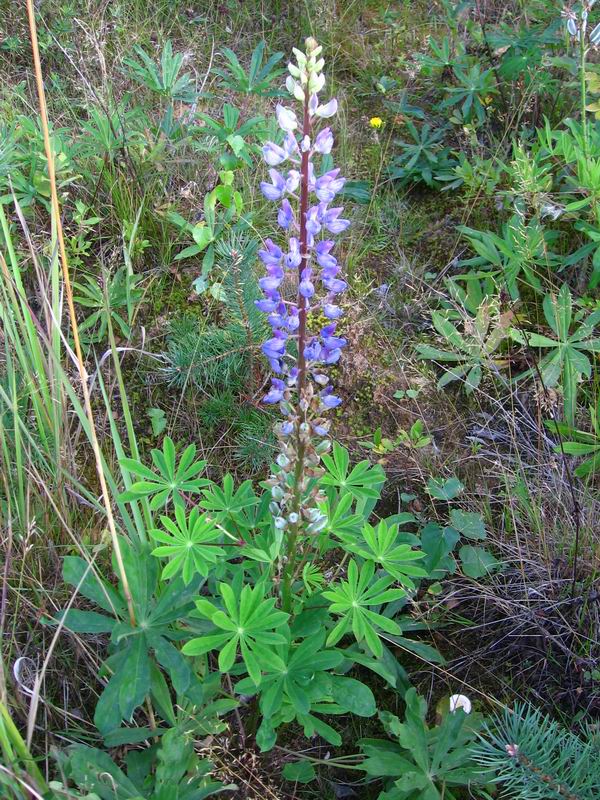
283	590
297	352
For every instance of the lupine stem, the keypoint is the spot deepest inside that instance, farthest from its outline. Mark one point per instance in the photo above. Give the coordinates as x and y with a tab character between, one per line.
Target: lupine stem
288	573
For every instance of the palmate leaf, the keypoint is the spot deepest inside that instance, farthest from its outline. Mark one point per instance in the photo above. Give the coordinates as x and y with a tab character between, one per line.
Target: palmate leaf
188	542
383	545
567	360
363	482
249	624
287	678
352	600
170	480
230	504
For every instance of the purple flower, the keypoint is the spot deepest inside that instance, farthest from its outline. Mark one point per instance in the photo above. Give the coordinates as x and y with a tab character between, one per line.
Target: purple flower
293	258
275	348
267	305
293	320
275	189
324	141
306	287
332	311
313	223
327	110
335	285
312	351
293	181
332	223
270	284
275	393
285	217
328	399
272	256
328	185
274	154
290	145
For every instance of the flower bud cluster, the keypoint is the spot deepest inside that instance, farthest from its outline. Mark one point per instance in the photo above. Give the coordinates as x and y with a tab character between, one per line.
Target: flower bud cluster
296	497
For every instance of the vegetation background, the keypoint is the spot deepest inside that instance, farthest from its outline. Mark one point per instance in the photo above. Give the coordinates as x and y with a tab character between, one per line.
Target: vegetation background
469	137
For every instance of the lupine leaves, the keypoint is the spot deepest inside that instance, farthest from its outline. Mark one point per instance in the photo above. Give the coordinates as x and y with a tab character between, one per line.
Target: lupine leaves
567	360
172	478
189	542
380	544
353	599
424	762
363	481
249	626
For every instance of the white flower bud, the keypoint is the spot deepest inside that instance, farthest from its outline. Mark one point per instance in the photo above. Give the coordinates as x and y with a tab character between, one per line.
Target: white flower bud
460	701
293	70
299	93
300	57
316	83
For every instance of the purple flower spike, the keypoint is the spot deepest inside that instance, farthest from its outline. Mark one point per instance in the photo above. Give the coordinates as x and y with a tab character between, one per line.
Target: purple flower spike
306	229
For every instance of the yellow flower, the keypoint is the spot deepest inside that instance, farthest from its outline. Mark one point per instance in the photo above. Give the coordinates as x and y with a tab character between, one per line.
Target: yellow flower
376	122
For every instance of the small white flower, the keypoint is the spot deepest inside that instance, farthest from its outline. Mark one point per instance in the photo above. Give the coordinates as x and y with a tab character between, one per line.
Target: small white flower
460	701
316	83
294	88
286	118
327	110
305	144
293	70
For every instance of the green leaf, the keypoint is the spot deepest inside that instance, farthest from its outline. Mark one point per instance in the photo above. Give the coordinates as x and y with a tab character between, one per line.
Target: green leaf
299	772
441	489
469	523
134	677
353	696
85	621
476	561
91	586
